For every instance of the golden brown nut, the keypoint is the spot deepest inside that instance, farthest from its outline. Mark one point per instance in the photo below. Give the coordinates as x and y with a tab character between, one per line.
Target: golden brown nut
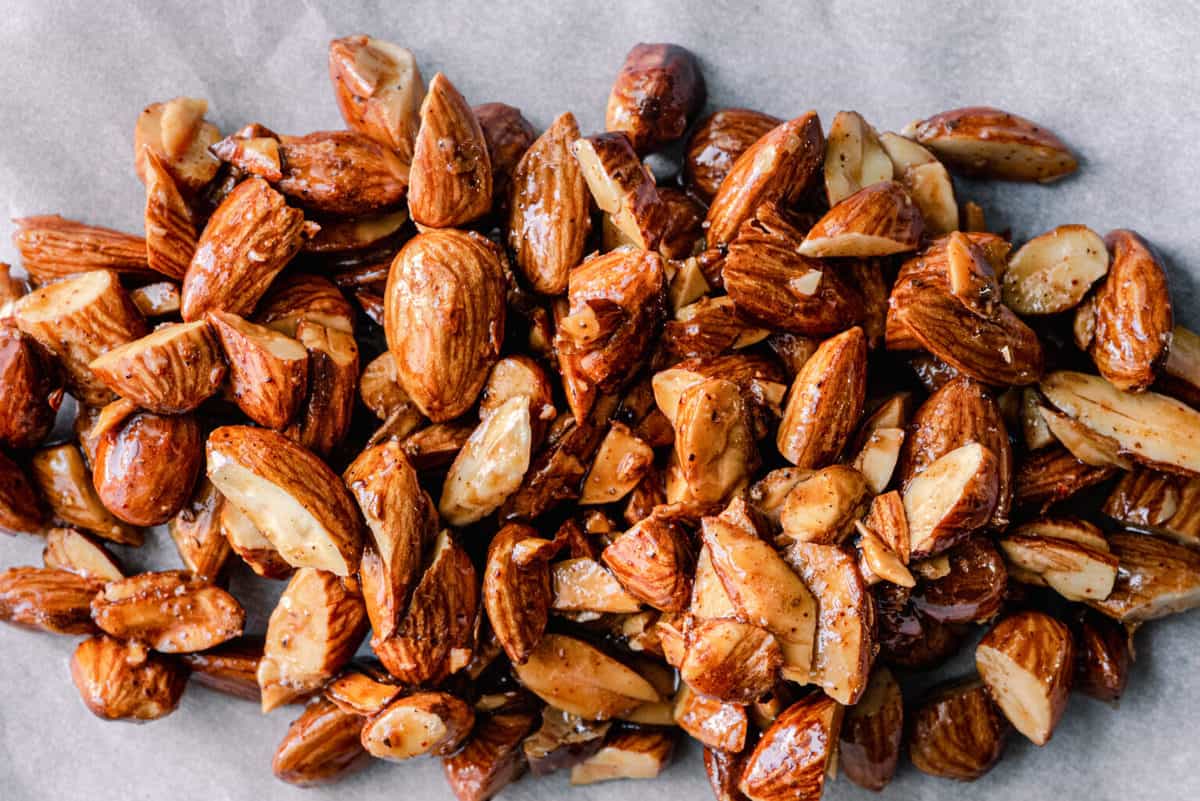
492	758
972	591
714	445
1161	503
378	87
422	723
170	371
854	157
450	183
30	389
622	187
1051	273
1155	578
653	561
878	220
716	144
196	531
716	724
927	182
48	599
171	612
341	173
562	741
986	142
324	419
578	678
298	297
825	401
957	732
869	743
230	668
793	755
517	592
68	549
21	509
250	545
65	483
953	497
823	507
1102	656
321	746
1027	661
627	754
170	230
53	248
490	466
177	131
268	371
120	680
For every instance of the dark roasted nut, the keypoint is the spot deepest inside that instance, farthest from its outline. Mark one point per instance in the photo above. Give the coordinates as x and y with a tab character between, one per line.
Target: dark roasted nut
562	741
793	755
231	668
64	481
298	297
622	187
170	230
869	745
321	746
989	143
508	135
120	680
718	141
1102	656
879	220
906	637
1161	503
656	94
957	732
653	561
30	389
491	758
731	661
1027	661
973	590
324	419
48	599
1155	578
724	771
1052	475
172	612
825	401
517	592
451	178
21	510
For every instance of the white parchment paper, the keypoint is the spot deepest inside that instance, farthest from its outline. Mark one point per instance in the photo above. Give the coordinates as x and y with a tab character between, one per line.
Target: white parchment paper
1118	81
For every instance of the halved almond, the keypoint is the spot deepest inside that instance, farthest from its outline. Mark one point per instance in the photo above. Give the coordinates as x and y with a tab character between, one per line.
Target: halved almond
230	668
170	371
878	220
321	746
714	445
627	754
575	677
1051	273
68	549
64	481
378	87
1027	661
422	723
517	595
451	177
1074	571
1155	578
1084	444
1034	430
927	182
823	506
177	131
268	371
730	661
1181	373
362	689
297	297
250	545
951	498
490	466
622	186
879	561
854	157
170	230
585	585
990	143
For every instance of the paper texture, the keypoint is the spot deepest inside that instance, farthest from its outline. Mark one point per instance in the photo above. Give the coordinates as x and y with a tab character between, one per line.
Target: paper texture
1119	82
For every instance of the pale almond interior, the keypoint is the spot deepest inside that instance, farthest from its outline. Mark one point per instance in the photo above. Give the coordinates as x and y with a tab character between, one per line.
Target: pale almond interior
67	297
934	493
585	585
1052	272
403	732
1020	695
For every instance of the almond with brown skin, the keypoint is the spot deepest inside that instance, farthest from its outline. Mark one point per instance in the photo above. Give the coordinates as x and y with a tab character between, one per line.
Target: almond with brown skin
1051	273
125	681
953	497
324	419
1052	475
957	732
886	519
342	173
724	770
907	638
445	318
622	187
379	389
357	239
562	741
490	466
779	166
621	462
508	135
653	561
48	599
321	746
716	724
793	755
1161	503
770	281
1133	319
1075	571
146	465
682	239
77	320
250	237
869	742
433	446
172	612
517	592
854	157
1155	578
177	131
314	630
250	545
268	371
170	371
972	591
53	248
716	144
1102	656
30	389
1027	661
451	176
730	661
230	668
825	401
437	635
548	222
64	481
1180	374
378	87
927	182
656	94
876	221
422	723
985	142
576	677
707	328
79	553
714	445
297	297
196	531
252	150
492	757
170	231
627	754
21	508
290	495
402	522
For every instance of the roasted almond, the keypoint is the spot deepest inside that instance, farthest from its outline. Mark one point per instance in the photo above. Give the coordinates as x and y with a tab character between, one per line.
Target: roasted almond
378	87
1052	475
823	507
562	741
1027	661
177	131
622	187
363	688
972	591
656	94
627	754
268	371
250	545
171	612
48	599
120	680
490	466
21	508
53	248
170	231
508	135
451	178
250	237
926	181
653	560
1102	656
517	593
341	173
445	319
578	678
854	157
716	144
957	732
825	401
714	444
324	419
196	531
878	220
170	371
64	481
30	389
298	297
1077	572
492	757
793	755
716	724
869	741
1180	374
315	628
290	495
1155	578
953	497
1051	273
731	661
321	746
548	221
414	725
1161	503
68	549
381	392
230	668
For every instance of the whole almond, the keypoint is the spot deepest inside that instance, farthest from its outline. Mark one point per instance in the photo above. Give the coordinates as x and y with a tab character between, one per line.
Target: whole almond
656	94
170	371
124	681
48	599
869	745
321	746
30	389
825	401
776	769
444	321
451	176
53	248
716	144
172	612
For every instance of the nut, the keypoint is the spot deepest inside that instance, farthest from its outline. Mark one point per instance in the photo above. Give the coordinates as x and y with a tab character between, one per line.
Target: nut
63	480
972	591
1155	578
250	545
171	612
30	389
124	681
363	689
79	553
492	756
854	157
869	742
53	248
927	183
451	178
422	723
378	87
791	758
950	499
730	661
321	746
653	561
1157	502
823	507
575	677
584	585
170	371
714	445
517	595
825	401
230	668
656	94
170	231
341	173
508	135
1102	656
490	466
562	741
1051	273
627	754
716	724
1052	475
878	220
622	187
957	732
268	371
716	144
48	599
324	420
298	297
1077	572
178	132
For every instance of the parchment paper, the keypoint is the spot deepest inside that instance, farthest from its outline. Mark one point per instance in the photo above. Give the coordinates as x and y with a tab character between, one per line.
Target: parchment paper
1116	80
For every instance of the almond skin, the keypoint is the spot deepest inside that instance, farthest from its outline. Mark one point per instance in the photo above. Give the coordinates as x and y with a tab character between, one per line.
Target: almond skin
418	724
172	612
53	248
48	599
445	319
656	94
974	589
451	176
491	758
170	371
1133	319
653	561
1155	578
170	232
378	87
622	186
324	418
508	135
778	167
248	240
548	222
517	595
79	553
869	743
64	481
321	746
196	530
341	173
792	756
297	297
1161	503
716	144
1102	656
146	466
268	372
879	220
125	681
716	724
229	668
825	401
957	732
30	389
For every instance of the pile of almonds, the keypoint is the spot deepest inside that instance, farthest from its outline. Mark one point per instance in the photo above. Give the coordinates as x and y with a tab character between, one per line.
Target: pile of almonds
594	457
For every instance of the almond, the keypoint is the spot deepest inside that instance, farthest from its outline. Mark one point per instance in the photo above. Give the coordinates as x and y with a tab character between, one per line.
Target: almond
177	131
268	371
652	560
321	746
48	599
422	723
431	447
523	376
707	328
584	585
53	248
490	466
230	668
854	157
822	507
290	495
656	94
1102	656
953	497
315	628
324	419
79	553
124	681
1155	578
876	221
724	770
1133	319
299	297
770	281
877	459
381	392
926	181
30	389
973	589
562	741
146	465
1052	475
869	741
363	689
716	724
378	87
517	594
779	166
357	238
716	144
170	371
491	758
508	135
63	480
170	231
985	142
886	519
402	521
793	755
957	732
1034	430
622	187
1027	661
436	637
77	320
730	661
1051	273
713	441
825	401
250	545
1161	503
250	237
878	562
252	150
341	173
1075	571
1180	374
451	177
575	677
907	638
445	319
627	754
196	531
548	223
171	612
